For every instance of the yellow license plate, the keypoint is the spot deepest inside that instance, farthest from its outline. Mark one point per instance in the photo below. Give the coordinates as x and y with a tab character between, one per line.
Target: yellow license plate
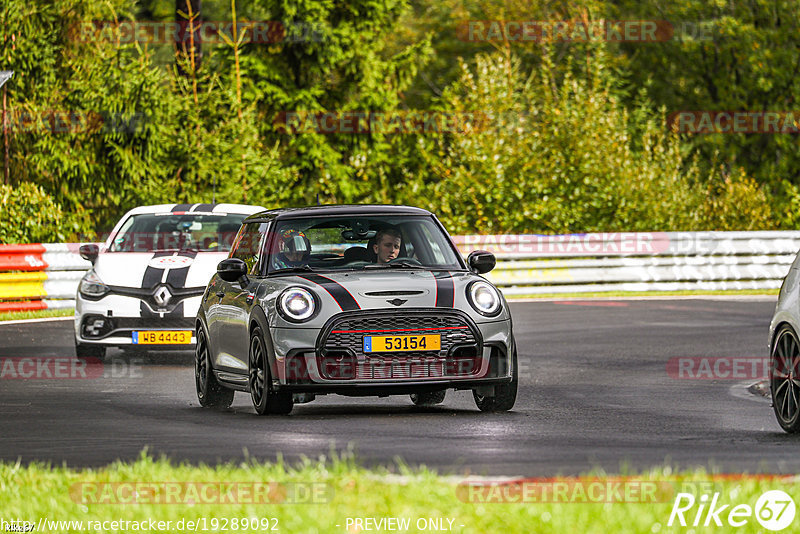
162	337
402	343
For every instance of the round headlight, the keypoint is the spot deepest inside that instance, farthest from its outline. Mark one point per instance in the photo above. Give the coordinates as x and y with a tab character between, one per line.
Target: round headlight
484	298
296	304
91	286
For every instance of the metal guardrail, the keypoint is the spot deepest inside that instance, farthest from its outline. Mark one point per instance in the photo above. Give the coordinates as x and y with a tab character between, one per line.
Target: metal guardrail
641	261
42	276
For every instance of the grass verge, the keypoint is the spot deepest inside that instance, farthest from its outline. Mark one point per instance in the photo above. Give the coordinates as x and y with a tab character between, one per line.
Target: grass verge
38	314
325	496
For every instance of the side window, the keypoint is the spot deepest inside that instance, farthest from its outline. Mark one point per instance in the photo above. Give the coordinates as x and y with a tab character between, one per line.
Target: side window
249	244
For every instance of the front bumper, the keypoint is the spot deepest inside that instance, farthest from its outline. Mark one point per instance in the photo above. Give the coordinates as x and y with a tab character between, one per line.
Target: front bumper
480	358
112	320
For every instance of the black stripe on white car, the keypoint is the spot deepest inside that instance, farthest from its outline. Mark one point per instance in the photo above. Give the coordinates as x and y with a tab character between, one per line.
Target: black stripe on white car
175	278
152	275
203	207
181	207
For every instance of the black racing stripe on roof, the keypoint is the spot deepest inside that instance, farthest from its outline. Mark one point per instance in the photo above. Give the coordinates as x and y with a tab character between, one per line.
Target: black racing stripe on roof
445	289
203	207
339	293
181	207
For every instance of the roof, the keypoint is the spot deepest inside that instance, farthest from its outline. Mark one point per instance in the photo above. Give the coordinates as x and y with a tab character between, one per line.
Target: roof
243	209
341	209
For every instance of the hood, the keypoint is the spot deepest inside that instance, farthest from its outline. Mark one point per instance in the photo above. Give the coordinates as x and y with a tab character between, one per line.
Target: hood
397	289
148	269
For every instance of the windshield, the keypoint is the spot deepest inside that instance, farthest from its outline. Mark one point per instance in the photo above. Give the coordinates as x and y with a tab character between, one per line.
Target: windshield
361	242
203	233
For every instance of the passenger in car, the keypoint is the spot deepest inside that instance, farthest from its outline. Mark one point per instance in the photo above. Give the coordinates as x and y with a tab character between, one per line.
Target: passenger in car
295	249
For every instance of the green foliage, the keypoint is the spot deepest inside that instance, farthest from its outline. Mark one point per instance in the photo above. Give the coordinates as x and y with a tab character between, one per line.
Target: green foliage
337	57
575	141
29	215
561	157
145	134
726	56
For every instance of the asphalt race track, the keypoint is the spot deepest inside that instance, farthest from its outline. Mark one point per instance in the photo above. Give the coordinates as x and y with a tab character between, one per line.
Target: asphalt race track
594	393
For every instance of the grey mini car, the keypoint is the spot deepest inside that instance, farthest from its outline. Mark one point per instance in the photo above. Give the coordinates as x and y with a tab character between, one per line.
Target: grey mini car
352	300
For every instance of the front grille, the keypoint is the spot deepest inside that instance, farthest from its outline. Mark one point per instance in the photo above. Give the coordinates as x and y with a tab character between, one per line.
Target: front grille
458	356
177	295
123	326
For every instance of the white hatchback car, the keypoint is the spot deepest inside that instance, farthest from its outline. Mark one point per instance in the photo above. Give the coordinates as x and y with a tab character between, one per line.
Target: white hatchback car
147	279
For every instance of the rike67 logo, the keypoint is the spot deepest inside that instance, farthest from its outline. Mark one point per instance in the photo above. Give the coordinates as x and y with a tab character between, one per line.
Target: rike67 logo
774	510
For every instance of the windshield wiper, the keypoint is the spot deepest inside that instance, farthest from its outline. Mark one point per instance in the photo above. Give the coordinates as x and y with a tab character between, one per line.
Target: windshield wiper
298	269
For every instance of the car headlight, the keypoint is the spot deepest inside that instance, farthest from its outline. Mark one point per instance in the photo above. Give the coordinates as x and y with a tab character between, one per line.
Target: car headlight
484	298
297	304
91	286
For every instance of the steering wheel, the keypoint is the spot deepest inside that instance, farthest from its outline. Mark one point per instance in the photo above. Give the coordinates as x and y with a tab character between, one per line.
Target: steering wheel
406	260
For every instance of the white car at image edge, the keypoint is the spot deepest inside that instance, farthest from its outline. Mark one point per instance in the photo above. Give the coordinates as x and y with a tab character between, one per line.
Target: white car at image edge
147	279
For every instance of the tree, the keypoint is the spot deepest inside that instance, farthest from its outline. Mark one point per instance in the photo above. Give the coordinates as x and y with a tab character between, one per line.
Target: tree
566	156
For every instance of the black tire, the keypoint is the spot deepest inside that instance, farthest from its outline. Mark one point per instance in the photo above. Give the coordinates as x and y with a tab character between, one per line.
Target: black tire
265	399
505	395
430	398
784	379
209	392
89	351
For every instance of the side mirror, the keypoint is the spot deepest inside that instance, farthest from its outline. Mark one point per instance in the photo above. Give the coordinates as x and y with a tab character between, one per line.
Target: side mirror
89	252
481	261
231	269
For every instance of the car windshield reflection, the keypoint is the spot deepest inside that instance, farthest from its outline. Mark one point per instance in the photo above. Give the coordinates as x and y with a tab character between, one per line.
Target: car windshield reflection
361	243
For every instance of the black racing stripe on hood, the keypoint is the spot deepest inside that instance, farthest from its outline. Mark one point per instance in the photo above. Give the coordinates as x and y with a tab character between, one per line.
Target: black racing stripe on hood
445	289
339	293
203	207
177	277
152	275
181	207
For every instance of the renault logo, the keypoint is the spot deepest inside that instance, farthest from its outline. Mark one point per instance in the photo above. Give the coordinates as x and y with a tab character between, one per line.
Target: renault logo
162	296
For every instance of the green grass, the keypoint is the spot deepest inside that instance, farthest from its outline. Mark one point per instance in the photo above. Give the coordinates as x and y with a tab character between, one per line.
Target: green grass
622	294
38	314
347	491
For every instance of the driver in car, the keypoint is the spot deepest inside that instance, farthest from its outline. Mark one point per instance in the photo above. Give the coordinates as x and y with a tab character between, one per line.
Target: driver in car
295	249
387	244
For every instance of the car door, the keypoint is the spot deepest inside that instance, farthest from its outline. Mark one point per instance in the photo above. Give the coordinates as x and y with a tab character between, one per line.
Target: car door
238	299
215	313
